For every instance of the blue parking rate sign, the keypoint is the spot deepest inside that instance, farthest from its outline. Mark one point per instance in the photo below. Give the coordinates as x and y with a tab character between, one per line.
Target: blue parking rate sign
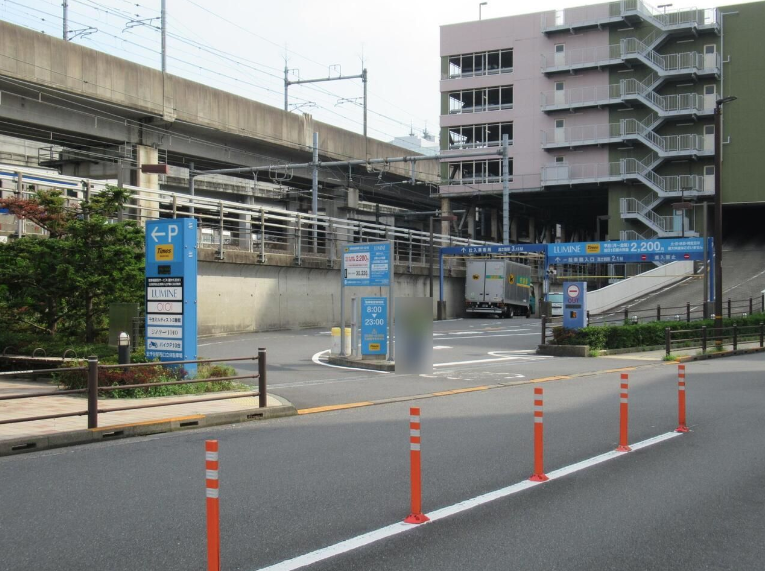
171	290
374	325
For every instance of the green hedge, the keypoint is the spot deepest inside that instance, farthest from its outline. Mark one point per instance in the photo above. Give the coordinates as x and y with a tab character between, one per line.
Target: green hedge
642	335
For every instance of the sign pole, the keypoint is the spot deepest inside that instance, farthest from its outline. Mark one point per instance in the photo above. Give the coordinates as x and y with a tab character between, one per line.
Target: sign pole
391	295
342	312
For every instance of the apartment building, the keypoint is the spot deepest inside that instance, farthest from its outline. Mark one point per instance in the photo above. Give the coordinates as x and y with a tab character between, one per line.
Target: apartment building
609	111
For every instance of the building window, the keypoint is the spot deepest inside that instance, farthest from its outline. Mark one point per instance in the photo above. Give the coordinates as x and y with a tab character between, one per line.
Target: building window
481	63
560	159
478	100
478	172
479	136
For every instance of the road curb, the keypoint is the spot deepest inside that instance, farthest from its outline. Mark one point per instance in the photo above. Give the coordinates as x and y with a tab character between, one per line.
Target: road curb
359	364
719	355
12	447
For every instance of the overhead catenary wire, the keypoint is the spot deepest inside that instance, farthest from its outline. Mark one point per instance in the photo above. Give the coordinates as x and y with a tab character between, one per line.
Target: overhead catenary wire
237	60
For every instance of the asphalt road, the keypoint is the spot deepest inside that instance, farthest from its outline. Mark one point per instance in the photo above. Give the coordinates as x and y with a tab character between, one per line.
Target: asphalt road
291	486
467	353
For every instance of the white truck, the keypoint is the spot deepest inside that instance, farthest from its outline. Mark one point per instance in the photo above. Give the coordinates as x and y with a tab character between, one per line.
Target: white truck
497	287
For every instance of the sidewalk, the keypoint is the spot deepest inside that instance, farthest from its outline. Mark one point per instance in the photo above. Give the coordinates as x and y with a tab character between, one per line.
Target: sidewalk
690	354
181	412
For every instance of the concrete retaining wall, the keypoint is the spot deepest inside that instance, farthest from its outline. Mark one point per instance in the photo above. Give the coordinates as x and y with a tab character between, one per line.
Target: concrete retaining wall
647	282
247	297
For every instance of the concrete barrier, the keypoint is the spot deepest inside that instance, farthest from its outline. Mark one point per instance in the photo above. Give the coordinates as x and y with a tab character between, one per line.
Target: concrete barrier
616	294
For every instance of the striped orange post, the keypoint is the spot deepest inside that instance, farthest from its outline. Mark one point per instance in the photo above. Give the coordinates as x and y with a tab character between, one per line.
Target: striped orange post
624	412
213	511
681	423
416	515
539	438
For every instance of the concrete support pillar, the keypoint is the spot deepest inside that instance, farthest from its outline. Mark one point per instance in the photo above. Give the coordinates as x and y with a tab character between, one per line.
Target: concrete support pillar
149	206
471	222
246	233
494	225
514	230
445	211
532	230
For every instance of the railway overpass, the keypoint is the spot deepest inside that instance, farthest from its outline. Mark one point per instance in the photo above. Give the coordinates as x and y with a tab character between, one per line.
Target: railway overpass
98	112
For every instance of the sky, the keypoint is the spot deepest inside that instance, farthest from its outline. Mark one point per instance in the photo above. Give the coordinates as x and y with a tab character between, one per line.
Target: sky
241	46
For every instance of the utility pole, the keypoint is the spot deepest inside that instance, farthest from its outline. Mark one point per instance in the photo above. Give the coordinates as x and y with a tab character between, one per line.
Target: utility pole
364	80
363	76
191	187
718	217
66	20
163	26
315	188
505	191
706	262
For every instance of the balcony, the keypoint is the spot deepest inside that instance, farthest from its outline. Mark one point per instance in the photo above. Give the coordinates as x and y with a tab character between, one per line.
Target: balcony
671	146
629	12
681	106
631	50
559	174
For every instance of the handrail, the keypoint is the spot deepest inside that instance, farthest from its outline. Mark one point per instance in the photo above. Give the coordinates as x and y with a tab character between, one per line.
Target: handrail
93	388
258	229
620	10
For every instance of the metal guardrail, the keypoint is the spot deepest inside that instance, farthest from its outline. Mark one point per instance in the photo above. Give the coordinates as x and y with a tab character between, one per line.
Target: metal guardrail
706	336
231	226
92	391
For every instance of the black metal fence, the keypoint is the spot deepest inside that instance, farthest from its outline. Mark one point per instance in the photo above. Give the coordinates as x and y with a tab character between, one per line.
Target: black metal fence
92	391
706	337
687	313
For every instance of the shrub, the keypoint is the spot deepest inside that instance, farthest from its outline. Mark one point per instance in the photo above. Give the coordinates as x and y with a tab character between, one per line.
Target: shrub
148	375
647	334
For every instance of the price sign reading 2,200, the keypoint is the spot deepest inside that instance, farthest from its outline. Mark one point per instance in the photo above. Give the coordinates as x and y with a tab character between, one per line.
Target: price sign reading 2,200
646	247
357	258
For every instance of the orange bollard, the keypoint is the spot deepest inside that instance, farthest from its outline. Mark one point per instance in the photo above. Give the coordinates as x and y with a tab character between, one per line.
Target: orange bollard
416	515
624	416
213	511
681	423
539	443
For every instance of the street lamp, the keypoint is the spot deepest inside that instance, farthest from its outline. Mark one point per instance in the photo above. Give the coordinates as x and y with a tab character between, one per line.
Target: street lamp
718	216
479	9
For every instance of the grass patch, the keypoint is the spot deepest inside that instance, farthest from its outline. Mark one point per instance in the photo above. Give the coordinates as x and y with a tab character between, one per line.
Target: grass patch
594	353
670	357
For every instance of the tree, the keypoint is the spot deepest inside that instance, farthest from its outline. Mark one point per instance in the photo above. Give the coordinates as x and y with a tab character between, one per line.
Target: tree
68	279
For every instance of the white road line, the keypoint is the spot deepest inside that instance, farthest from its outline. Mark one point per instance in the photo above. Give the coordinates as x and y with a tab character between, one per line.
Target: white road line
316	359
526	358
477	361
397	528
492	336
439	347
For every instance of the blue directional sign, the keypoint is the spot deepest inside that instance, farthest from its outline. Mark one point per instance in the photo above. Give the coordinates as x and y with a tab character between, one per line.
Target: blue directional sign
495	249
574	305
171	290
367	264
374	325
626	251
